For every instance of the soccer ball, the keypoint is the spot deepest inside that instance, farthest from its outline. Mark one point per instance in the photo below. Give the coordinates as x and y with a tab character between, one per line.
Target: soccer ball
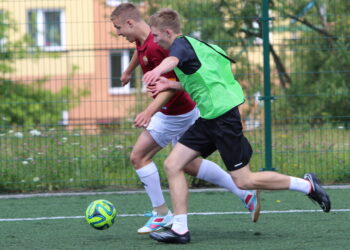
100	214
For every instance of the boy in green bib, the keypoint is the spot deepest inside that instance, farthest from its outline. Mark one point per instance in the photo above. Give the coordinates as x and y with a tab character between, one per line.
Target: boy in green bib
205	73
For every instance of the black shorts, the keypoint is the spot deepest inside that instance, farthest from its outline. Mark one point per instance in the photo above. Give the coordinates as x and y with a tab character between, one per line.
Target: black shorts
224	134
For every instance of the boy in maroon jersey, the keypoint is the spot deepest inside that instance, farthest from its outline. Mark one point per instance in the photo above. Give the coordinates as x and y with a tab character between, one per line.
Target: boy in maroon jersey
164	121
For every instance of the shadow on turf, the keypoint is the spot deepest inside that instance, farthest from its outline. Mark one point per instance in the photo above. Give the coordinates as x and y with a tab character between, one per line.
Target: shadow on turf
222	236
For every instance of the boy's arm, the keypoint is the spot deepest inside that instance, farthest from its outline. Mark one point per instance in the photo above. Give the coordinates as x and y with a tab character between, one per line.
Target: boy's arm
126	75
143	119
163	84
168	64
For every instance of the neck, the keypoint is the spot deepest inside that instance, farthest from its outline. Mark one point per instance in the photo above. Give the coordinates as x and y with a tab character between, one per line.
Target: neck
174	36
143	31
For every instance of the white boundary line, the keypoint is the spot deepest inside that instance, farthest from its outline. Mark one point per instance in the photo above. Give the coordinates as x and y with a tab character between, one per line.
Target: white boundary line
199	213
21	196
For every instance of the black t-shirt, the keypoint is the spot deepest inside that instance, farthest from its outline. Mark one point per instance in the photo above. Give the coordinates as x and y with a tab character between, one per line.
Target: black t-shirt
188	60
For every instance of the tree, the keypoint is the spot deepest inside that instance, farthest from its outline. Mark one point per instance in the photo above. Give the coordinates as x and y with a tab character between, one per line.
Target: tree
320	88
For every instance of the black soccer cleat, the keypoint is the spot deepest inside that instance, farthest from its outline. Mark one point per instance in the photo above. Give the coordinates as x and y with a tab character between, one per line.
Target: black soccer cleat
317	193
166	227
169	236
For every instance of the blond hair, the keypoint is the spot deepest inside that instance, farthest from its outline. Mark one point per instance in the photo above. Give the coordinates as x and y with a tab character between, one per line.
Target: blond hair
126	11
166	19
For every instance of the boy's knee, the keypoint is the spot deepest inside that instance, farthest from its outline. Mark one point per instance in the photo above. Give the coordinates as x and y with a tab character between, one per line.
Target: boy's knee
133	158
136	160
170	166
244	183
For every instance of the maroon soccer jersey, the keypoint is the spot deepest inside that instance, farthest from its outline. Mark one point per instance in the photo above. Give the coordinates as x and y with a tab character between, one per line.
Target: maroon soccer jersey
150	55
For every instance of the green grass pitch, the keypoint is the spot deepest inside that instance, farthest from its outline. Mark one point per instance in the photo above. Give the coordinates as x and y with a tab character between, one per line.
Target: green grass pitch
281	229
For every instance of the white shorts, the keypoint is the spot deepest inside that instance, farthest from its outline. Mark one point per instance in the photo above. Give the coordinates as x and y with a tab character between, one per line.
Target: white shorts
166	129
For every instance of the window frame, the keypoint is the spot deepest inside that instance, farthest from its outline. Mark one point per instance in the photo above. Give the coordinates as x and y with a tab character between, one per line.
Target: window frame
126	55
40	32
115	3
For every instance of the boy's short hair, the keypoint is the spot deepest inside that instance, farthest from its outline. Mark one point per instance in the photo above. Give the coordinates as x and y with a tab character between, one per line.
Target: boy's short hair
166	19
126	11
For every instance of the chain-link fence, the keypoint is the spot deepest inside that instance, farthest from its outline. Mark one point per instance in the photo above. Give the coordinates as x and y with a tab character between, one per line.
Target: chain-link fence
66	121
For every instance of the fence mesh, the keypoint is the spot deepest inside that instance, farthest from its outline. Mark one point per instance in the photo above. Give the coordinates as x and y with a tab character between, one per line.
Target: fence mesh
66	122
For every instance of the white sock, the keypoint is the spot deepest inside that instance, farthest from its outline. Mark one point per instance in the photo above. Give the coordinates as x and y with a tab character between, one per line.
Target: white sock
180	224
299	184
149	176
211	172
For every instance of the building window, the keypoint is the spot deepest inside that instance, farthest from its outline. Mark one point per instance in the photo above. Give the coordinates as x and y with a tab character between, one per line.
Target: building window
115	3
119	61
3	28
46	29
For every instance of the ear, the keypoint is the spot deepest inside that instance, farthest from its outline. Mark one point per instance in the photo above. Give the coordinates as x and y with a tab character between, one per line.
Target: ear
130	22
168	32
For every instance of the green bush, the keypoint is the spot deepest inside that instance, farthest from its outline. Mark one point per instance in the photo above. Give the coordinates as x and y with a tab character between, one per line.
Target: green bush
30	105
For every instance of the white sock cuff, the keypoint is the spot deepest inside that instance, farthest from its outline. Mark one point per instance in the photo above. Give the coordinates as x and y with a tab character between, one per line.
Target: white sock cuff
180	223
202	169
147	170
180	217
299	184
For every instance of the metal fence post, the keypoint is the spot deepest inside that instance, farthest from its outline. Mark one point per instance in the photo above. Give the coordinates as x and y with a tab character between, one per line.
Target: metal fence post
267	89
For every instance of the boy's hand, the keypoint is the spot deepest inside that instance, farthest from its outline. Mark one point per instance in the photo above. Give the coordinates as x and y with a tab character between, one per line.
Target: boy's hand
142	120
160	85
125	78
151	76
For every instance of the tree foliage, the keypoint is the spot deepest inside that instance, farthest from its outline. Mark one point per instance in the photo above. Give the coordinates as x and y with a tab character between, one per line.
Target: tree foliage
312	69
320	66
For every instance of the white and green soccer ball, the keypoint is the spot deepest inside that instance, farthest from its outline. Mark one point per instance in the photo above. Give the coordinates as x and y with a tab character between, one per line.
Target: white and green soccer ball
100	214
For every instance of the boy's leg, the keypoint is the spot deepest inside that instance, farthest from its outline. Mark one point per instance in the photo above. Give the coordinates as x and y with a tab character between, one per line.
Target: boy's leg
162	130
179	157
174	164
269	180
141	157
211	172
144	150
214	174
236	152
